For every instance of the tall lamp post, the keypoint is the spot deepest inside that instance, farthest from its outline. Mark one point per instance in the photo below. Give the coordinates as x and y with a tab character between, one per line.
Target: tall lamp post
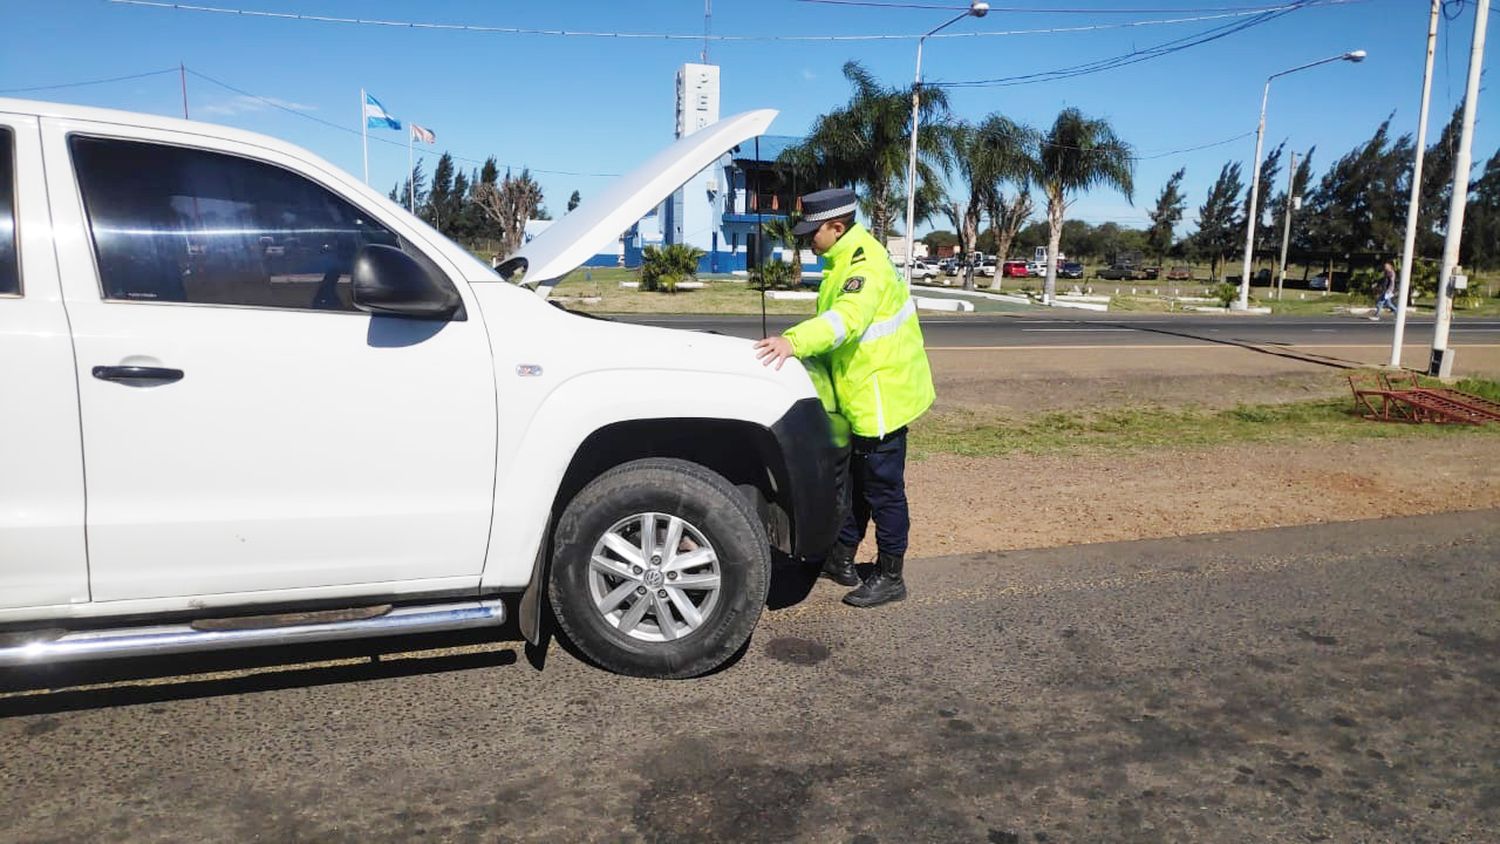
978	9
1260	134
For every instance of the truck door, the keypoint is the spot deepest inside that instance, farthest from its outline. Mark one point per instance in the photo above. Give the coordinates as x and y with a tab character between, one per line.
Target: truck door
245	428
42	557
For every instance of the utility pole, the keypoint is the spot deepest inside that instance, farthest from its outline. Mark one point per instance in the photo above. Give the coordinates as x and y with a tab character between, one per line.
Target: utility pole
1286	227
182	75
1403	298
1441	362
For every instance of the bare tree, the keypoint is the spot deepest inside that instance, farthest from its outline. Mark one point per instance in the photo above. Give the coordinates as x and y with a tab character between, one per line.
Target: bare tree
509	204
965	218
1007	218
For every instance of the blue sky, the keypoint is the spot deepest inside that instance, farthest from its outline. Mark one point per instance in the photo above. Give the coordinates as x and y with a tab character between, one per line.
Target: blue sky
574	106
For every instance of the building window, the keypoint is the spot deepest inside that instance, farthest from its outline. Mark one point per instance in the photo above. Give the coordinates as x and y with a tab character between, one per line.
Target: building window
172	224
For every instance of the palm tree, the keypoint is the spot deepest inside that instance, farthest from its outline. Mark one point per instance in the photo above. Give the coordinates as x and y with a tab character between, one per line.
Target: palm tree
988	155
1078	153
864	143
782	228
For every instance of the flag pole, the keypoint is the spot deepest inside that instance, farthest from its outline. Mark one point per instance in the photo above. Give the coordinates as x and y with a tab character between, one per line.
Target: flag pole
411	174
364	134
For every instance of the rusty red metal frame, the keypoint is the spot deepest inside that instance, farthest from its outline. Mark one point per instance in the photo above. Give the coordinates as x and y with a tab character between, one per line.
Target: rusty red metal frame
1379	396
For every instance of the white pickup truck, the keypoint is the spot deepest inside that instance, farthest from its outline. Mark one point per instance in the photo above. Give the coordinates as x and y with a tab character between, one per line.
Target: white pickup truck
246	400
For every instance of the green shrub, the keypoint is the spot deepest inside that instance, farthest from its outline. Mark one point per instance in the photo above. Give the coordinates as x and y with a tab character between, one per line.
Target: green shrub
776	275
1366	283
1226	293
663	267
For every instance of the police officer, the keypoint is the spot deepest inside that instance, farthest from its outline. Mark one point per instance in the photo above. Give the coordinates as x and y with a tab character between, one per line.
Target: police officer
866	335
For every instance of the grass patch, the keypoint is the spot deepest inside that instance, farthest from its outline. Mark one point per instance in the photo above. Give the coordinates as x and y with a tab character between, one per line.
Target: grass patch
717	297
973	434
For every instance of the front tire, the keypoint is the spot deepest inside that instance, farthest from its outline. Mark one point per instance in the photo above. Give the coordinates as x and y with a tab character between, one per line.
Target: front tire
661	569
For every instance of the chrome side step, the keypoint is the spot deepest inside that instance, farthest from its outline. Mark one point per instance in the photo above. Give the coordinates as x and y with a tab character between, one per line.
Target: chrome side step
55	646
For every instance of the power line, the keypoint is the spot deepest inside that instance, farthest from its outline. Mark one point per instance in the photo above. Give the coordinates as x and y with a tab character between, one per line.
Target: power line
671	36
88	82
1165	48
1210	145
330	124
1020	10
280	106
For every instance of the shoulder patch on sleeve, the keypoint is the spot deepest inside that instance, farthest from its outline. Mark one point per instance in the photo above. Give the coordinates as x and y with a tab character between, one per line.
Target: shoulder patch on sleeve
859	255
854	284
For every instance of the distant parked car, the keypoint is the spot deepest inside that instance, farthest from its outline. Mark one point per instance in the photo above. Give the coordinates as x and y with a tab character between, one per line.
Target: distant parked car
1070	269
1036	269
1180	273
1118	272
1014	269
988	267
1148	273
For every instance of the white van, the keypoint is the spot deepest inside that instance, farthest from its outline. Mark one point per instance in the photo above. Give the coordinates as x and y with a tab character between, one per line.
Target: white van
249	401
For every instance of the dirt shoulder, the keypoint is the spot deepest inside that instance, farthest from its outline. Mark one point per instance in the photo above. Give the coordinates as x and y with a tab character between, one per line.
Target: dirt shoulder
964	504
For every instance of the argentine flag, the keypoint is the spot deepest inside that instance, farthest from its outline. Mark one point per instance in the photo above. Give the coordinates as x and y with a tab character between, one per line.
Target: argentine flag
376	117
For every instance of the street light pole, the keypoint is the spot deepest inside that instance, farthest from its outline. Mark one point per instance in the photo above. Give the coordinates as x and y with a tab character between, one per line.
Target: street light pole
977	8
1441	362
1409	249
1260	133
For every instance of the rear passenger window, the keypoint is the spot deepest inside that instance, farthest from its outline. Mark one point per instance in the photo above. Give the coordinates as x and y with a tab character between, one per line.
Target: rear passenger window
10	269
173	224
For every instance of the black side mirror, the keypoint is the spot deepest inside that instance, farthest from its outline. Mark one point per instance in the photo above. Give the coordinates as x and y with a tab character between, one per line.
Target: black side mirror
389	282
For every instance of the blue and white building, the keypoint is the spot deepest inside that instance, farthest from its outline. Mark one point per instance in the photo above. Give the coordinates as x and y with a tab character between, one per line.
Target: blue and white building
720	209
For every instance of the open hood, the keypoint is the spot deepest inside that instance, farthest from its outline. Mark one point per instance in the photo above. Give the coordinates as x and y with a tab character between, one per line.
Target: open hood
592	226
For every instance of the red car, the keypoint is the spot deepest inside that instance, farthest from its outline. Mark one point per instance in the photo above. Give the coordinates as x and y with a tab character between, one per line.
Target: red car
1014	269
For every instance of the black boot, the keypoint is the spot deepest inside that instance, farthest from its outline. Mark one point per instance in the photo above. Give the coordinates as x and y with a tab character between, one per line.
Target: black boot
883	587
838	566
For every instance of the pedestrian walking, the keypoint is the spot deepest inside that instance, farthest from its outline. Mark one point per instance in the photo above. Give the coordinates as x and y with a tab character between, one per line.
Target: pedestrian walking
1387	292
867	336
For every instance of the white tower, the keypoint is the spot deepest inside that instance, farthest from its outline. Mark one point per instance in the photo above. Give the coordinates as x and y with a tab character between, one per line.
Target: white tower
692	211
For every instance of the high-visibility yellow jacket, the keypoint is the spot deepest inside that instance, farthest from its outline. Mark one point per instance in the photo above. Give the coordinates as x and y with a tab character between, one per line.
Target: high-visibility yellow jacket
867	333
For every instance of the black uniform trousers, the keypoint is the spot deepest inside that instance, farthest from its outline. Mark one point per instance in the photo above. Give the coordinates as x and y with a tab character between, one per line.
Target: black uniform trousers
872	483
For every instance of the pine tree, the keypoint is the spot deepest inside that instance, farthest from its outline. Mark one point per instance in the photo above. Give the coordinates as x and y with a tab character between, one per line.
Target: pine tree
456	226
401	193
1219	217
1437	187
1170	204
1481	242
1359	205
439	197
1270	168
574	200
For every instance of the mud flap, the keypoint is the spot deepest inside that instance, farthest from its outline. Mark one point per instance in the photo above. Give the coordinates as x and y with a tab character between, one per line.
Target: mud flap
531	615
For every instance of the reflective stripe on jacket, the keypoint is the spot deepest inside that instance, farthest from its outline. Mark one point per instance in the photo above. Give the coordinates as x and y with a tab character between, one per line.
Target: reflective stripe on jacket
866	331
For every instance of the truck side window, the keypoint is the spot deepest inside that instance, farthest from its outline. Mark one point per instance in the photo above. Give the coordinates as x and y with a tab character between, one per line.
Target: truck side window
174	224
10	270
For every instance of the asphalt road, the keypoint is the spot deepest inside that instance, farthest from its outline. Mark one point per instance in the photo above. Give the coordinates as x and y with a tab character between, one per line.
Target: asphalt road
1082	328
1334	683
